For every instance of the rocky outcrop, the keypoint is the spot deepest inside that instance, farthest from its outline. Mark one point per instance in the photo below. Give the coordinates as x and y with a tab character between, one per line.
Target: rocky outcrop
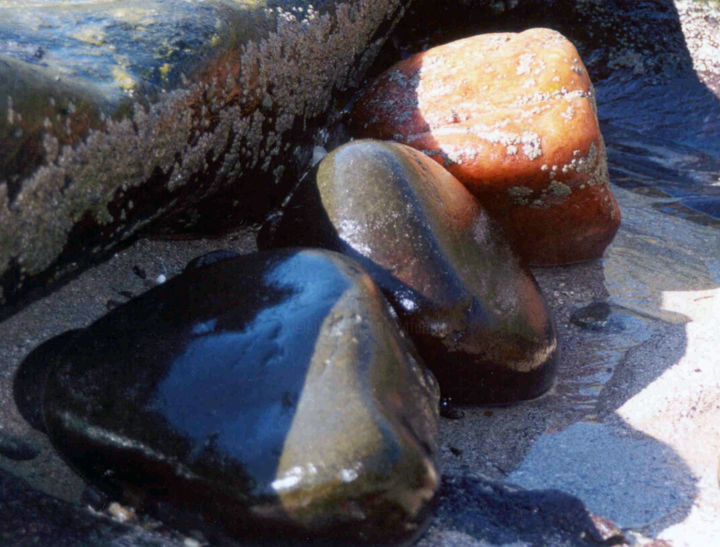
264	397
513	117
473	311
111	117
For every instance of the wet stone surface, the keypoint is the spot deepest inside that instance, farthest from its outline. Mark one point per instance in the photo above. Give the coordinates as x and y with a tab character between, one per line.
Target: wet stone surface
513	117
261	397
474	313
176	115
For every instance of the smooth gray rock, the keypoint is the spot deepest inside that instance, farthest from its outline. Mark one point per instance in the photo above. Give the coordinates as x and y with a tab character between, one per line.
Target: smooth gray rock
112	117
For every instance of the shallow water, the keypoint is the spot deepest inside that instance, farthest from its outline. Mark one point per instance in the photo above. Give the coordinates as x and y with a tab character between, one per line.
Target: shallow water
663	138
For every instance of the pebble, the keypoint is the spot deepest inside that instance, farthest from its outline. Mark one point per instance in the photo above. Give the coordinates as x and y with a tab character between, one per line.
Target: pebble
17	449
594	316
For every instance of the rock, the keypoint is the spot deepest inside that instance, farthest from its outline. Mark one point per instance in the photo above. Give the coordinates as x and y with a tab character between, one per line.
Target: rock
474	313
513	117
15	448
268	396
449	410
198	115
477	511
594	316
606	531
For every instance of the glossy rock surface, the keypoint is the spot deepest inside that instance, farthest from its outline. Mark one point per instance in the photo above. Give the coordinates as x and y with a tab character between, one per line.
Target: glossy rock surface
117	115
473	312
264	397
513	117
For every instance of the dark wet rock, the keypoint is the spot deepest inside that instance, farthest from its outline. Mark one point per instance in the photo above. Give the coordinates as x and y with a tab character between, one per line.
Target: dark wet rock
267	396
30	517
483	512
95	498
594	316
211	258
449	410
605	317
193	114
15	448
474	313
112	303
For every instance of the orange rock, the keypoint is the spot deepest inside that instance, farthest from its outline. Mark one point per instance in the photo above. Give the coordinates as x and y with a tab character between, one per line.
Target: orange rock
513	117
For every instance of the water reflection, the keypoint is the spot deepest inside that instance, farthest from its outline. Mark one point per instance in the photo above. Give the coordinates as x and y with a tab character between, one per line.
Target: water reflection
604	350
675	152
255	369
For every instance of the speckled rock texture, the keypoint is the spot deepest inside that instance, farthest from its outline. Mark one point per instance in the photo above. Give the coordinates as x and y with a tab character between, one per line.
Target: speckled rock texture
111	117
513	117
474	313
266	397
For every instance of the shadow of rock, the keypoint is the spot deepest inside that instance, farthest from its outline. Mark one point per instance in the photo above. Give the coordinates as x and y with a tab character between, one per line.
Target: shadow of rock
481	512
30	517
633	471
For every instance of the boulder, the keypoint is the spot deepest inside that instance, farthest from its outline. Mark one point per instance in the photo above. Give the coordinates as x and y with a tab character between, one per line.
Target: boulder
513	117
270	396
195	114
474	313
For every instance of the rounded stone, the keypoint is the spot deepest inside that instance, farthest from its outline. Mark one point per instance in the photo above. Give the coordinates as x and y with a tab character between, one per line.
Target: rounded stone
513	117
267	396
475	314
